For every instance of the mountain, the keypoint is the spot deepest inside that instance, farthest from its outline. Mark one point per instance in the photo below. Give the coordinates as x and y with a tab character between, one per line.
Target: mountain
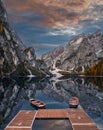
15	58
79	54
49	57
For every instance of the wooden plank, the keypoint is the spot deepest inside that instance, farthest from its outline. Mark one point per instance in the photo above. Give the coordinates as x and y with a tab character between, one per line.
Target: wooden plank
78	118
23	120
18	128
83	127
54	113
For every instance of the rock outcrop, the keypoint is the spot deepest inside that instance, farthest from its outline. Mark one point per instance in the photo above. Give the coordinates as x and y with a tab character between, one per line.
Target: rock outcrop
79	54
49	57
15	58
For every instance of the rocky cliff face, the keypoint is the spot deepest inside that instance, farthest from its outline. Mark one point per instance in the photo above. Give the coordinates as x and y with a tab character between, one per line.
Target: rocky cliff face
49	57
80	53
13	53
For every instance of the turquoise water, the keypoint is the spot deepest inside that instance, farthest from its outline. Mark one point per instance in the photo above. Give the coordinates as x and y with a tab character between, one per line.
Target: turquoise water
15	94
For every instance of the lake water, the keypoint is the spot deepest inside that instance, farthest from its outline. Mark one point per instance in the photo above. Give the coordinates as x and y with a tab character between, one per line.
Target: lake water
52	124
14	95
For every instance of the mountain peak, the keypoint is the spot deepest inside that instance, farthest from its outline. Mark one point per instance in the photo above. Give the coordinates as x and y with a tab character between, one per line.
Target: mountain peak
3	13
80	53
15	58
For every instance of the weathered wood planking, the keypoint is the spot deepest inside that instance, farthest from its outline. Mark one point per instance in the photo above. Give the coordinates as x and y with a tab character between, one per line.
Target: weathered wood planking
78	118
23	120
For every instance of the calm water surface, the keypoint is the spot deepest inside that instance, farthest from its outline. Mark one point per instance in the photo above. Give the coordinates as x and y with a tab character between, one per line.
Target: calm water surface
14	95
52	124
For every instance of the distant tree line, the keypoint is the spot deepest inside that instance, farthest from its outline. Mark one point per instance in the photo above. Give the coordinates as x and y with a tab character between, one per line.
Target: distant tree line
96	69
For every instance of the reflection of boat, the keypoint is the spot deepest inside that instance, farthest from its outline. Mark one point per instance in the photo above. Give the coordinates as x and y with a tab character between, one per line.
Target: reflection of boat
1	28
73	102
37	103
1	118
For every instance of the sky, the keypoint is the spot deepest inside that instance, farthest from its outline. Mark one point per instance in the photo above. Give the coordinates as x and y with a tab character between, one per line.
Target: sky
47	24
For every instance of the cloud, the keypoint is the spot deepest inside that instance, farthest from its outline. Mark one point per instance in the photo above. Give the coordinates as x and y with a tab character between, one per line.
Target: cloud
51	23
44	45
61	14
55	12
62	31
42	48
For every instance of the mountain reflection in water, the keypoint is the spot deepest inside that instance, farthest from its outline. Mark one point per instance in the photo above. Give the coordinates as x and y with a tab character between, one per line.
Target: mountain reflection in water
14	95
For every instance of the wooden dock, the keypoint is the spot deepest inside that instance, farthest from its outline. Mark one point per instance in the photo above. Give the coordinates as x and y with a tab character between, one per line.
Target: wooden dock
79	119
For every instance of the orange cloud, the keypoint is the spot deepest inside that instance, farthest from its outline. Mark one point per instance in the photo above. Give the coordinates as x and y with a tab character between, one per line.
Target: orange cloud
54	12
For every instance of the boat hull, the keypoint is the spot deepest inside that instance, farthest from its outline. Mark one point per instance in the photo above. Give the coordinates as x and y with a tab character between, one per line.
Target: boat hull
73	102
37	103
73	106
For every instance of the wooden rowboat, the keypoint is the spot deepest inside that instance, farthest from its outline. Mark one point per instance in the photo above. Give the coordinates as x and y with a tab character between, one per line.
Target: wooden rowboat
73	102
37	103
